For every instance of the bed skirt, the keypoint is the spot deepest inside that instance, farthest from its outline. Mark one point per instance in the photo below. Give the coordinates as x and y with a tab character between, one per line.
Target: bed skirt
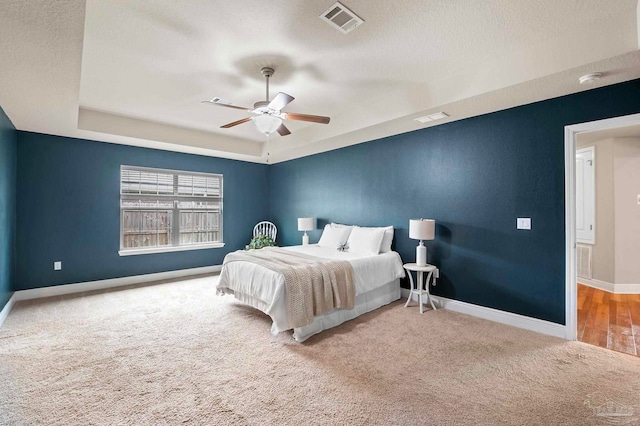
365	302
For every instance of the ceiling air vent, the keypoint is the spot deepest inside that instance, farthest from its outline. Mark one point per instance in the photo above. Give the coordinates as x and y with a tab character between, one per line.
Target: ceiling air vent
341	18
432	117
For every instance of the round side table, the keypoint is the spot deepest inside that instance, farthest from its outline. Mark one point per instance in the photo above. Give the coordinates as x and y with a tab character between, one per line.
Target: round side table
417	288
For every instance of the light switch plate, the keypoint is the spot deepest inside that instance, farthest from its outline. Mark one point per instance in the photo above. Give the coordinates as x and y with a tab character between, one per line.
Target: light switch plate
523	223
57	266
638	198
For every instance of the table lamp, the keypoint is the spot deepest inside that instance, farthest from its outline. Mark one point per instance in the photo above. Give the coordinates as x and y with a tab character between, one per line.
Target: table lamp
306	224
422	229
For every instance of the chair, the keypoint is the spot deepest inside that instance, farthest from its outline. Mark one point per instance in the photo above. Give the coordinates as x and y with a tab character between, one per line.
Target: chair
267	229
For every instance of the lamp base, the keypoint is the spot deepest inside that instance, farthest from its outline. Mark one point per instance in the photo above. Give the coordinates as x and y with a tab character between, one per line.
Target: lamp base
305	239
421	255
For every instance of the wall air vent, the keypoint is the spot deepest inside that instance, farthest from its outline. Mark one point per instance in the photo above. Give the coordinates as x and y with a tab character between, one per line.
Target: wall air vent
341	18
584	261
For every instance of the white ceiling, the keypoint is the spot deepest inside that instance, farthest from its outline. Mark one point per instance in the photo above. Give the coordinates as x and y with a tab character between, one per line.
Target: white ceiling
135	72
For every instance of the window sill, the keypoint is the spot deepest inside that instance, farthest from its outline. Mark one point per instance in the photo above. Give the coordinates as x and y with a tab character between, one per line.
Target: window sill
153	250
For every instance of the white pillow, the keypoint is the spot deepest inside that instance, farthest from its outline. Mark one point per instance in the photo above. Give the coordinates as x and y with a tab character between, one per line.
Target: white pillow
339	225
333	237
385	246
365	240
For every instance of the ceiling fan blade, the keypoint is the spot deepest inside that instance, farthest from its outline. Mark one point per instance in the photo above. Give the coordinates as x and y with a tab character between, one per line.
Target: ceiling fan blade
220	102
235	123
283	131
305	117
280	101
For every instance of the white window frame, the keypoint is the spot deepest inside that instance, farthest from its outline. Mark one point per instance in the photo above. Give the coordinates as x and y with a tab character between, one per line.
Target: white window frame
175	198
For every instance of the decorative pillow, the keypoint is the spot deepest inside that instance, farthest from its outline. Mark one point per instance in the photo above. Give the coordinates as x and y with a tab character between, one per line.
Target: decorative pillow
333	237
366	240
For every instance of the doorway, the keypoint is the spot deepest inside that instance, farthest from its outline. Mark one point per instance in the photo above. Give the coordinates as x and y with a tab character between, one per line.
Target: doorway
571	221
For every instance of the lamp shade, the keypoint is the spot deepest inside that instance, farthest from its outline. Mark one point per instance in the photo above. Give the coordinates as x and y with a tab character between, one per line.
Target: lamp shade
266	123
306	223
422	229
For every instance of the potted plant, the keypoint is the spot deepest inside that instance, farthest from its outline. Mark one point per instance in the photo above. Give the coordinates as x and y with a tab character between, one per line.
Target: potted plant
260	241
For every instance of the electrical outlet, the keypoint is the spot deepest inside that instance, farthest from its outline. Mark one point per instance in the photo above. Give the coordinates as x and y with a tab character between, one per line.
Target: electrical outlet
638	198
57	266
523	223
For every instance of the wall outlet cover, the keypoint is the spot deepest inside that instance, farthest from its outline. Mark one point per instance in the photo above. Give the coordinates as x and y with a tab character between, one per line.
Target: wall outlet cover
523	223
57	266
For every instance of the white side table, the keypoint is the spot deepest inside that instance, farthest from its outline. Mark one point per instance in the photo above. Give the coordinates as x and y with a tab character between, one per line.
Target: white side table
417	288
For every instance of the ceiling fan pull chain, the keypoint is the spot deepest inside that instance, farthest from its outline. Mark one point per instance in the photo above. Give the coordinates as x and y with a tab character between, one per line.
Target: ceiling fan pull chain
268	151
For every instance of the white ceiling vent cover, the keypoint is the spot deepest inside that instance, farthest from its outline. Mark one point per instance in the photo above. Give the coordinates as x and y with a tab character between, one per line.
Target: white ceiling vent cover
341	18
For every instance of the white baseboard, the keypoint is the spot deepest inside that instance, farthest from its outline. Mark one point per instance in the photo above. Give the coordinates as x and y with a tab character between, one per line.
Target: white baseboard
627	288
503	317
7	308
59	290
611	287
600	285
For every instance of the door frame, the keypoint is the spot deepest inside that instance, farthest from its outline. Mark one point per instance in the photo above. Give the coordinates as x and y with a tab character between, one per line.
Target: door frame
571	278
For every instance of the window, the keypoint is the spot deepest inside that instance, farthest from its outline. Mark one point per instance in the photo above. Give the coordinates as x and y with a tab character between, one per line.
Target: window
168	210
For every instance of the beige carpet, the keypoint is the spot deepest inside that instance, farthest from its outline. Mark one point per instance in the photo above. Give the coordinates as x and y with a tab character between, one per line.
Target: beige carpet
175	353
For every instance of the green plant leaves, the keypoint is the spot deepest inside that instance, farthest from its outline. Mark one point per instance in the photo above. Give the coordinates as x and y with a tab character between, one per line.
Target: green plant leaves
260	241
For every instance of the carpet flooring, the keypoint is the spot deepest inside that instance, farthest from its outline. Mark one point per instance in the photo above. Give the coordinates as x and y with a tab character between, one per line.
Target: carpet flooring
174	353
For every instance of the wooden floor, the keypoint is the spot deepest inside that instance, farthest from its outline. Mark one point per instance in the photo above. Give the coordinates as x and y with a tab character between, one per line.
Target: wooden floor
609	320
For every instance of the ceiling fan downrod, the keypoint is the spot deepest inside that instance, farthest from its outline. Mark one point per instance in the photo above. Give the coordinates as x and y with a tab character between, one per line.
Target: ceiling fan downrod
267	72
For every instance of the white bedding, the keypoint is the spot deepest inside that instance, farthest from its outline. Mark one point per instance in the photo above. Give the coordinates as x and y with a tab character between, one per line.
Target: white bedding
264	289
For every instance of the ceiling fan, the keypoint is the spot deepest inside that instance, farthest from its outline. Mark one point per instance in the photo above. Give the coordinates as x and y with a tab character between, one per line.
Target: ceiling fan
268	115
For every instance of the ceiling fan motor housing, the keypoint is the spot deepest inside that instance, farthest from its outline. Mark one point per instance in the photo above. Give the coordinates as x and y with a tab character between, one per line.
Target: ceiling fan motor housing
267	71
261	106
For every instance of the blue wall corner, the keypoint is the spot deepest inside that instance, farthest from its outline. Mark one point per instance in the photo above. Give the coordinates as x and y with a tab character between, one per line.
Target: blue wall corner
8	159
474	177
68	209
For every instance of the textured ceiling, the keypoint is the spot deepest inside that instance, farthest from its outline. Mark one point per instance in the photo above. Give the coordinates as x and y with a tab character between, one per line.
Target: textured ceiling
135	72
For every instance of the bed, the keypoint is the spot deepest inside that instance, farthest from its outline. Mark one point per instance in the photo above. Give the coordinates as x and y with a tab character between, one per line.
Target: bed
376	278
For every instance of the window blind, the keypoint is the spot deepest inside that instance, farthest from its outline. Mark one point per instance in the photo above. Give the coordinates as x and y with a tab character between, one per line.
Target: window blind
164	208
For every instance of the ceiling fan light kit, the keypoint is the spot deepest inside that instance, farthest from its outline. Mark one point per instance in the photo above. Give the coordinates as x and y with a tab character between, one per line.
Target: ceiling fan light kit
268	114
266	124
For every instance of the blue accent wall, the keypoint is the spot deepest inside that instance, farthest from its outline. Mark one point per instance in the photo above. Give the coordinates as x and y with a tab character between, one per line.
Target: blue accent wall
474	177
8	158
68	209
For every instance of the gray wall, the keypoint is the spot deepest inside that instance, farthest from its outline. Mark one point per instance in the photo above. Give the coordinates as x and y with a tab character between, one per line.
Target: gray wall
626	153
602	252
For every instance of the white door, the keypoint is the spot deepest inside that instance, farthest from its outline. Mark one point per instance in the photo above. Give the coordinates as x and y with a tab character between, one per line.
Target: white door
585	196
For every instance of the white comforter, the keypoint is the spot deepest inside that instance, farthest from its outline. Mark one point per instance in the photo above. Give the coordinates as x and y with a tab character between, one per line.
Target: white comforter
264	289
